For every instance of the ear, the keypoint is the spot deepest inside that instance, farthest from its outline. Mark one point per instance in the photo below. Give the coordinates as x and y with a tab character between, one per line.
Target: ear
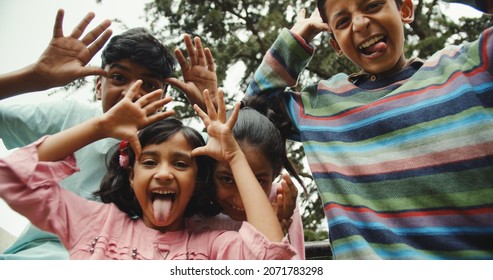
335	46
131	177
407	11
99	86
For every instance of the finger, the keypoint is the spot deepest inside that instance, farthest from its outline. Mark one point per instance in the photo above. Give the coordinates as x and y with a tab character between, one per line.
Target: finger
192	56
160	116
302	14
133	90
211	110
93	70
221	106
100	42
184	65
199	151
177	83
58	27
153	102
135	145
234	116
79	29
201	60
210	60
96	32
203	116
291	187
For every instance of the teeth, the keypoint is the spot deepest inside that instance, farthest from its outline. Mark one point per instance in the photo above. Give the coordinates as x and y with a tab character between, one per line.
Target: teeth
162	192
238	209
370	42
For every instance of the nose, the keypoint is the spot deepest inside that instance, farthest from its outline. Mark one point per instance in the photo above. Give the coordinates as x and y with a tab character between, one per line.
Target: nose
360	23
163	173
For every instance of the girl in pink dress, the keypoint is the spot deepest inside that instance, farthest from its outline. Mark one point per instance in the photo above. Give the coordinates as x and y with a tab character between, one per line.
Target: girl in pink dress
148	193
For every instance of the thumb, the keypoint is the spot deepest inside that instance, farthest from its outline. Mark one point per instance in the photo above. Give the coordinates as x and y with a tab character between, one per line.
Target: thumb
135	145
93	71
174	82
199	151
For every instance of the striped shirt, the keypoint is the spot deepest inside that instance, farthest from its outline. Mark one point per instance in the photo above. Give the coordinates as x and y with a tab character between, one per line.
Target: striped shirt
404	166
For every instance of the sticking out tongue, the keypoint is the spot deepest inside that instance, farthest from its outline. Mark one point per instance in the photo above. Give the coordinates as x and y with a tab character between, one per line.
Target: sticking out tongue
161	207
378	47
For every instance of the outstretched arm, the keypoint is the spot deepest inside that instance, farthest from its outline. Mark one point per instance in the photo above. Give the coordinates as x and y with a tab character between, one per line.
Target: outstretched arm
199	72
122	121
222	146
63	61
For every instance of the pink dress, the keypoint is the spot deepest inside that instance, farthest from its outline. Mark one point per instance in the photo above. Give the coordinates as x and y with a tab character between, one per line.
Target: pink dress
224	222
94	230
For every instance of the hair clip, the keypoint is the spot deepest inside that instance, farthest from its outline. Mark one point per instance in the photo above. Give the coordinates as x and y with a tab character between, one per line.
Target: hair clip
123	159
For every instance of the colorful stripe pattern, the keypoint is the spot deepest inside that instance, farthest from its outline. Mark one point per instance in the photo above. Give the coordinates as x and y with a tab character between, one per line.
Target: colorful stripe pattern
405	169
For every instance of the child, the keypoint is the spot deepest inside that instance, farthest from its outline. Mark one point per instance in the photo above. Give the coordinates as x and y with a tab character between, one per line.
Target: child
199	68
132	55
155	183
402	152
264	148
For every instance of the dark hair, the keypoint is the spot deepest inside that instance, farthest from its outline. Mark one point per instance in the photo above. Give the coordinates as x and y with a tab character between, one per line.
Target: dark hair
321	8
260	126
138	45
115	186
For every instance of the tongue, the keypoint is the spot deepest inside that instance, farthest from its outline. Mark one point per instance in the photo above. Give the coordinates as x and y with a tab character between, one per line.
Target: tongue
161	208
378	47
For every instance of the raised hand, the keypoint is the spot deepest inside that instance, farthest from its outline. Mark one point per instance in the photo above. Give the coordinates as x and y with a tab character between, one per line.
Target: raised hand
66	57
124	119
199	72
310	27
221	144
285	202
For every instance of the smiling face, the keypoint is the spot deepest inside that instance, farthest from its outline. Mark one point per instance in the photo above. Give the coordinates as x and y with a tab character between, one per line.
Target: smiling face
121	75
370	32
227	194
163	180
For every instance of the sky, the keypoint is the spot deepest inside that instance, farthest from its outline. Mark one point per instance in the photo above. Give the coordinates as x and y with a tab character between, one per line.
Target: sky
26	28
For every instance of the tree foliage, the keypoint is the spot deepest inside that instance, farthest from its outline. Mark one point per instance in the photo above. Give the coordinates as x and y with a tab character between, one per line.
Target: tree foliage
241	31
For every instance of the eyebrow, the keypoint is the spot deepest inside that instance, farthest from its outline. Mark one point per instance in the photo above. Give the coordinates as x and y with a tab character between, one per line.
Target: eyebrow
341	12
128	69
174	154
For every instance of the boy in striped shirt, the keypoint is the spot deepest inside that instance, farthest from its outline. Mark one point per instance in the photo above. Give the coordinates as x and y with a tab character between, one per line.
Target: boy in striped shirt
402	152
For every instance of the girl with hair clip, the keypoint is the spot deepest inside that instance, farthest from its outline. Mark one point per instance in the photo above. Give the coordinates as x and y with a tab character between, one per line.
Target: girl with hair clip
265	150
147	194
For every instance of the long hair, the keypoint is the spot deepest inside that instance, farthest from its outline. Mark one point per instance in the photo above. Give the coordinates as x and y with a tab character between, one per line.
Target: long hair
115	186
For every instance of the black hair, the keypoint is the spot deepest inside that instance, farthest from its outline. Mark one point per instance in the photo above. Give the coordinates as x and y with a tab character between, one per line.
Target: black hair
115	186
138	45
321	8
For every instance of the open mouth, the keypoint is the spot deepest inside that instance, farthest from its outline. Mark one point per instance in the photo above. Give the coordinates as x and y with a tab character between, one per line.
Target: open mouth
164	195
374	45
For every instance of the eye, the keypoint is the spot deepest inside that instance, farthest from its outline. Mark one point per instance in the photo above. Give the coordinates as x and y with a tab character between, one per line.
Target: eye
150	86
118	78
148	162
181	165
342	22
373	6
227	180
